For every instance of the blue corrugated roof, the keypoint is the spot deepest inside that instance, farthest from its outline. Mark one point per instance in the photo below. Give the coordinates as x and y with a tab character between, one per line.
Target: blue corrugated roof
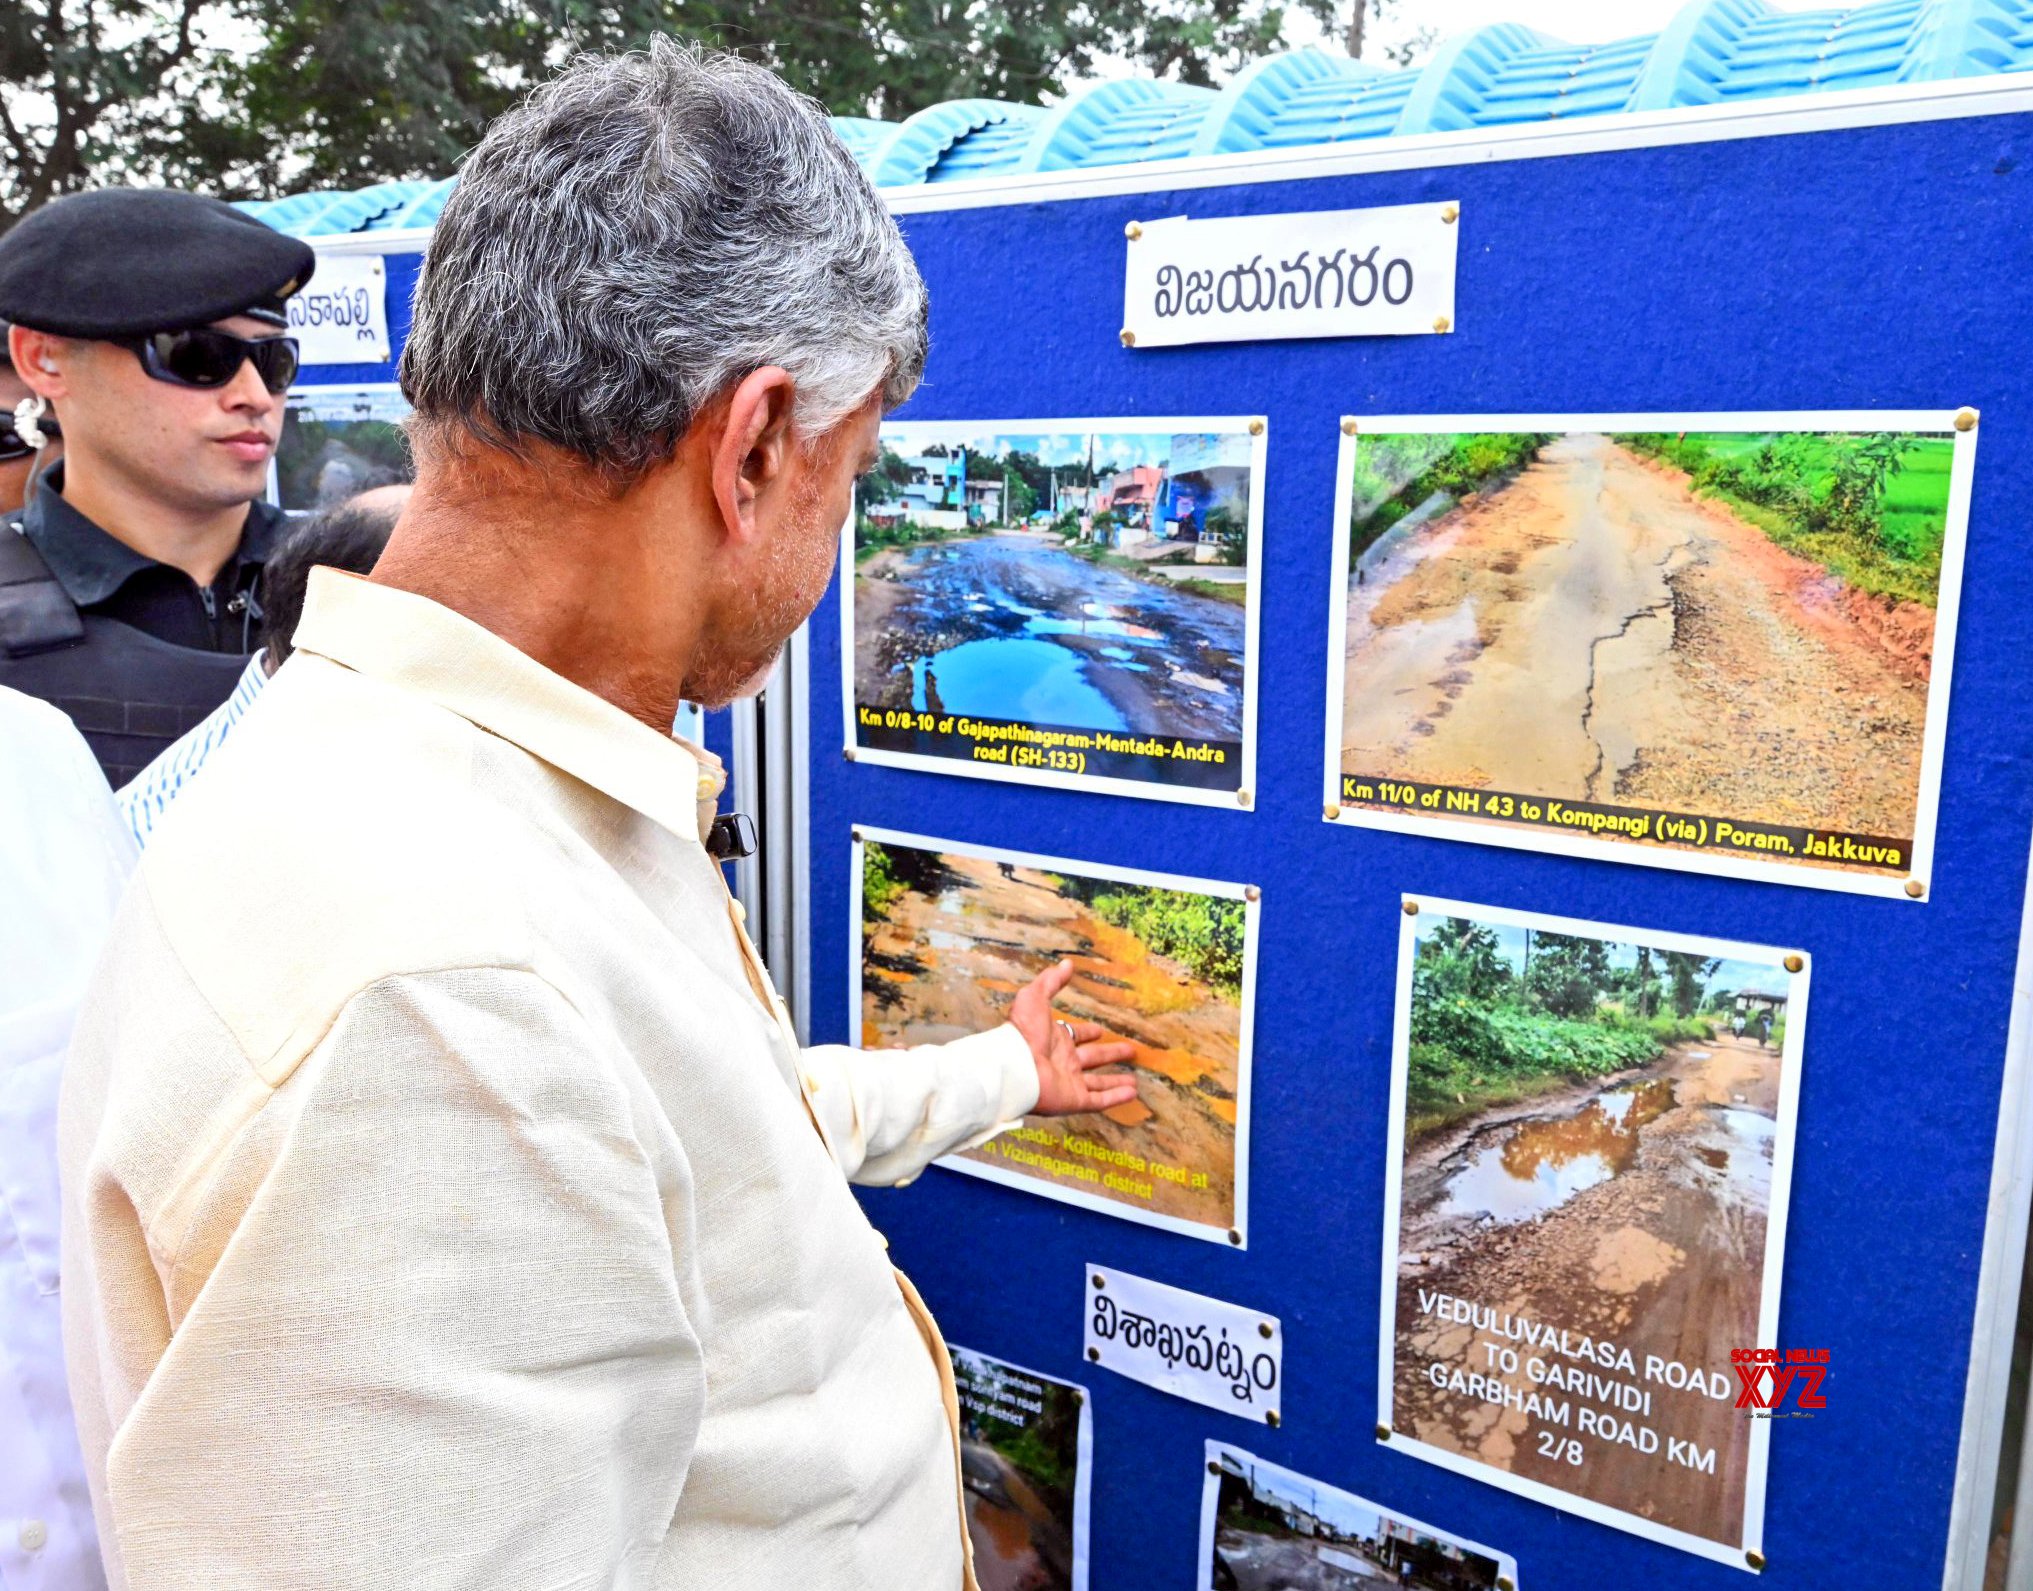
1713	51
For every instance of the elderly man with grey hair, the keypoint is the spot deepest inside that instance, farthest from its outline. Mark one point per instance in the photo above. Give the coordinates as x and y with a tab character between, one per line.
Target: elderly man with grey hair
447	1200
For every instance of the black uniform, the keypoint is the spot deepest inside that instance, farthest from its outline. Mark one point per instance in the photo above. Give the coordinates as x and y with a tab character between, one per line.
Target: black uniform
134	650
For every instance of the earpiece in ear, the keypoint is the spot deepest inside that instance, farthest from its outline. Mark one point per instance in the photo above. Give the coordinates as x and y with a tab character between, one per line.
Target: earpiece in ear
47	368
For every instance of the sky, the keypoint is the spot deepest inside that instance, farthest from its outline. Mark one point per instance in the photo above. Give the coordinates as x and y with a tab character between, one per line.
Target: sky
1063	447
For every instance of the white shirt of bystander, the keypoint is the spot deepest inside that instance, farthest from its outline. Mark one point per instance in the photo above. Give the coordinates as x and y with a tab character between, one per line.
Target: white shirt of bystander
64	858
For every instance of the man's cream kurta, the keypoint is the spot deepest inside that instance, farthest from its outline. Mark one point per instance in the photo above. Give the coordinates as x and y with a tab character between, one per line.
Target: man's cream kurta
443	1200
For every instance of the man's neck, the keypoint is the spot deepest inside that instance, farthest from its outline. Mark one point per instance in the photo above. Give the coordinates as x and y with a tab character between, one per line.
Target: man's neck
569	581
197	541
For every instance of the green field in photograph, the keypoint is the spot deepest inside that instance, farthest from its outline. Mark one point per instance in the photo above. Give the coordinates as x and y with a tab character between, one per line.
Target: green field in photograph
1870	506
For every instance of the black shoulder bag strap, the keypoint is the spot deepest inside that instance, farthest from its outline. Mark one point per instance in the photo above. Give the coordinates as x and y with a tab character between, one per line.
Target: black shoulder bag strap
36	613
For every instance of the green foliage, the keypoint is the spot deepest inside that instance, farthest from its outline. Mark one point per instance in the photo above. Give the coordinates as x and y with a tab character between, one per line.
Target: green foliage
880	885
1202	931
251	98
1689	974
1870	506
1469	462
1229	530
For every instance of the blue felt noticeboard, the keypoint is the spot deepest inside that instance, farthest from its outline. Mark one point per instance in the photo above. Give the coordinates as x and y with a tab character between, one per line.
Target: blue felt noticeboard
1862	268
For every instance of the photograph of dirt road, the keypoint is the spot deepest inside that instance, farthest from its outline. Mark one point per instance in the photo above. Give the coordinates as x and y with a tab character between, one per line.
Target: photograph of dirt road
1024	1443
1691	640
1592	1145
1266	1528
1068	601
947	936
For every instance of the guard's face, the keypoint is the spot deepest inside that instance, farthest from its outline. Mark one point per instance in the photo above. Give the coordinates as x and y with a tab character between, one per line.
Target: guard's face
201	449
800	525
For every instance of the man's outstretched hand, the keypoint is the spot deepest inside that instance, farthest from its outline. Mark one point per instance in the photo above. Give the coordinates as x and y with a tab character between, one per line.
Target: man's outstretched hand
1067	1053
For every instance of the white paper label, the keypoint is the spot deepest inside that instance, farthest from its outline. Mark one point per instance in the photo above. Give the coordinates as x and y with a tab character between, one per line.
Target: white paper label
341	318
1386	272
1195	1348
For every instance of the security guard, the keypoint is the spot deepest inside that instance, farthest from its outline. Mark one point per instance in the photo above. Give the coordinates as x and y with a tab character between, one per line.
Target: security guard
155	322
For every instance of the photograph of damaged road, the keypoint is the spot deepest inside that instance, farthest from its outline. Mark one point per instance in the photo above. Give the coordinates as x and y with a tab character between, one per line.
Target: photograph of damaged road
1710	637
1592	1146
1058	604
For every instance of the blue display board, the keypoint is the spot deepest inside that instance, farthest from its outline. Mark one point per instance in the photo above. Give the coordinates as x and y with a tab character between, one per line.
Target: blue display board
1867	268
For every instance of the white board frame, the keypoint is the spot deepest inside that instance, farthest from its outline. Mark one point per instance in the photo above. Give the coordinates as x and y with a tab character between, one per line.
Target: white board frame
1236	1236
1558	842
1415	907
1243	798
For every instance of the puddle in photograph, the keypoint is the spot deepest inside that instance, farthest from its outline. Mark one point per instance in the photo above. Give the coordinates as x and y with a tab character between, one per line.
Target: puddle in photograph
1524	1169
1026	681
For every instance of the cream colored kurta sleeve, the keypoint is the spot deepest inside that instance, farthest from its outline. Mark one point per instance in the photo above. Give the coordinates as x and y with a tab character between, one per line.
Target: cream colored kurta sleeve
891	1113
445	1342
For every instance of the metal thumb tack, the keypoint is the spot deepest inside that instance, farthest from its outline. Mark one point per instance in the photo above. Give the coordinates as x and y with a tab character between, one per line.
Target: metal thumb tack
848	753
1755	1559
1256	428
1796	962
1235	1237
1330	813
1098	1282
1965	419
1094	1354
1263	1328
1506	1583
1213	1467
1251	892
1442	323
1348	428
1129	338
1450	213
1242	798
1915	888
1411	908
1271	1418
1133	231
1383	1433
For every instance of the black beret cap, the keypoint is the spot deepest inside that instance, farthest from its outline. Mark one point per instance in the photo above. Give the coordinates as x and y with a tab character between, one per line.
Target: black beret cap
121	262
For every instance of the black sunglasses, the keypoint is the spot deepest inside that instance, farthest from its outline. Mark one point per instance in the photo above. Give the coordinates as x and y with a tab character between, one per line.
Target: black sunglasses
13	445
203	357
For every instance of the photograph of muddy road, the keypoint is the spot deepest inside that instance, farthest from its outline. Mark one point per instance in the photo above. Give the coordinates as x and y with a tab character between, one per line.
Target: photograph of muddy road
1586	1208
1089	588
1020	1469
949	937
1707	640
1276	1530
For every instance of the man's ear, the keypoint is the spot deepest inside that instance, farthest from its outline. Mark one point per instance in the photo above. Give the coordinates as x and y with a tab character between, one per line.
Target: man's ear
38	358
749	453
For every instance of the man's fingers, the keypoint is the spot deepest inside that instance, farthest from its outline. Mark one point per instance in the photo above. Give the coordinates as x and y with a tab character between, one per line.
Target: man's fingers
1092	1055
1053	979
1109	1098
1088	1032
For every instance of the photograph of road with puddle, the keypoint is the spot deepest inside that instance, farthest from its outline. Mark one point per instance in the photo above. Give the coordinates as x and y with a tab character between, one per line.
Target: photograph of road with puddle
1587	1178
1061	581
947	941
1021	1474
1276	1530
1734	626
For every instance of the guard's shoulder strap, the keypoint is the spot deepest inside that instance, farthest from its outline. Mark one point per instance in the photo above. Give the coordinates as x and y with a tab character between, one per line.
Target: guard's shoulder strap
36	613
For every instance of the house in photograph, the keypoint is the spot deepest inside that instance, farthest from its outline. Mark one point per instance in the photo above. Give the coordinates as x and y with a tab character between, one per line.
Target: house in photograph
1131	495
1208	472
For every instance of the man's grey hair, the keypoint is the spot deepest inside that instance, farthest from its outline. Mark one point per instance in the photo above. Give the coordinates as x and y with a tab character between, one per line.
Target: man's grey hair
641	234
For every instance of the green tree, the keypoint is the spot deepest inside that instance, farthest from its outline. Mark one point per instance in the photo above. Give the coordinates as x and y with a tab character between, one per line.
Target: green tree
252	98
1689	974
1568	974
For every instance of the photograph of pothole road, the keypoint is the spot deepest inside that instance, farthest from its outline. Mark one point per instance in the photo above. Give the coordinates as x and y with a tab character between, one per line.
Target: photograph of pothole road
1064	599
1592	1137
947	935
1660	633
